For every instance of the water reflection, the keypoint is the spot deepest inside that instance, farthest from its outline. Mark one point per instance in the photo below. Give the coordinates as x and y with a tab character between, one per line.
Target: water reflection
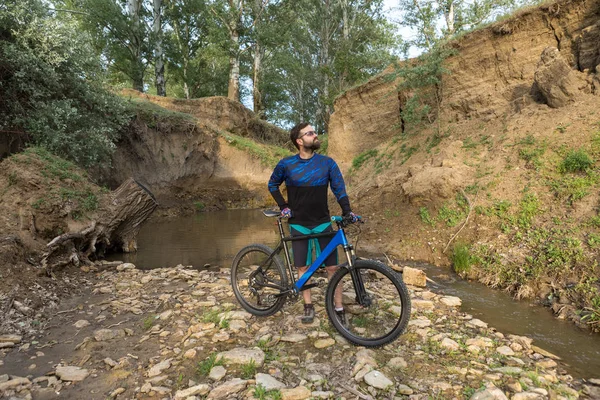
206	238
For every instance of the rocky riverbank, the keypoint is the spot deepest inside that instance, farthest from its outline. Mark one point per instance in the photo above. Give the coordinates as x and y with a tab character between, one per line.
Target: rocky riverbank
179	333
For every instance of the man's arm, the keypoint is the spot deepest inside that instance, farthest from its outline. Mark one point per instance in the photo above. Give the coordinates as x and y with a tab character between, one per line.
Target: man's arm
277	178
339	187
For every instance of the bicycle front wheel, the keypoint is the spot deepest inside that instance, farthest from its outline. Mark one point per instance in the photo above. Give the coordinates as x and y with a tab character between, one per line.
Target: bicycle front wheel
255	275
385	309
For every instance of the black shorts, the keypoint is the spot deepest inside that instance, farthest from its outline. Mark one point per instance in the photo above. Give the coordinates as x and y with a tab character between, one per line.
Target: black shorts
300	248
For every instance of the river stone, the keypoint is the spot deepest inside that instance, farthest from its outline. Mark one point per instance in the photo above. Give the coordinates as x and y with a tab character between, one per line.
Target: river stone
242	355
102	335
593	392
82	323
227	389
159	368
414	277
243	315
323	343
221	336
451	301
420	322
405	390
125	266
322	395
268	382
237	325
71	373
509	370
217	373
514	386
449	344
397	362
477	323
522	340
3	378
360	375
293	338
190	354
480	342
297	393
527	396
546	363
505	350
14	383
490	394
192	391
364	357
378	380
6	345
422	305
11	338
544	352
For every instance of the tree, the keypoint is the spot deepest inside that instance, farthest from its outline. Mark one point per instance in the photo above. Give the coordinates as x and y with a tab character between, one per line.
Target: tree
121	31
197	49
51	83
333	45
159	63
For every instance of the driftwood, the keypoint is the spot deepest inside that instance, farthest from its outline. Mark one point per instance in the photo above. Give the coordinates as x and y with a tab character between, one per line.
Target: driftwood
116	229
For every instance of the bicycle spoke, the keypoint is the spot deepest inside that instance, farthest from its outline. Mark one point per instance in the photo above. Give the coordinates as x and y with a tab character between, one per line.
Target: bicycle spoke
254	270
384	311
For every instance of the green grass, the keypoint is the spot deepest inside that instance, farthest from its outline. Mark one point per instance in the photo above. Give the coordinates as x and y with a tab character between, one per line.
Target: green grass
425	216
268	155
148	322
248	370
199	205
362	158
203	368
576	161
261	393
461	258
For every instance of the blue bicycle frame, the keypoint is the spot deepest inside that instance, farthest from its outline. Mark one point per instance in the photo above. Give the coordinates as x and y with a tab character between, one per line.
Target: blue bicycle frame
338	239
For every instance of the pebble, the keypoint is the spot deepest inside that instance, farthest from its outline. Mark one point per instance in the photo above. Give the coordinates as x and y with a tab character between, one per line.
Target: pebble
82	323
217	373
297	393
71	373
378	380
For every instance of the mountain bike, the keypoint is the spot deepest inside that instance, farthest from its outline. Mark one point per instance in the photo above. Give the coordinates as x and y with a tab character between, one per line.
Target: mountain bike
375	299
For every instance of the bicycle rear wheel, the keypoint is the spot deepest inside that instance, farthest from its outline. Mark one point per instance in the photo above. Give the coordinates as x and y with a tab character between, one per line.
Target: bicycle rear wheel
385	312
253	268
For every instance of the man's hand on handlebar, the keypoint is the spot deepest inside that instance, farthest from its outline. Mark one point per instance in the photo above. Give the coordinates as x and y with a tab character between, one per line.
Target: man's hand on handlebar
352	218
286	213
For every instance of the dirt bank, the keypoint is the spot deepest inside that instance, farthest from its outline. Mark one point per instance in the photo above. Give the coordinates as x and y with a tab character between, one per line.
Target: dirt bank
503	182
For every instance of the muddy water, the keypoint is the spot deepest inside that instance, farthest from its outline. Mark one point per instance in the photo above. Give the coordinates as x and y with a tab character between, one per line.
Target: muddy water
213	239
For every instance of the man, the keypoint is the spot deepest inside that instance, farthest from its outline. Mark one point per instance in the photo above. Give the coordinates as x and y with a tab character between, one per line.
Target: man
307	176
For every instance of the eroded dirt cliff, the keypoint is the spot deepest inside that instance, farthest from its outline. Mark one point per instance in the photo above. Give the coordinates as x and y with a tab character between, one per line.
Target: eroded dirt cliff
508	168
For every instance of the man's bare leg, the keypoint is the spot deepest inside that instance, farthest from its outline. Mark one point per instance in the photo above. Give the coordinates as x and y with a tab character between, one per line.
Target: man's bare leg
305	293
309	309
337	296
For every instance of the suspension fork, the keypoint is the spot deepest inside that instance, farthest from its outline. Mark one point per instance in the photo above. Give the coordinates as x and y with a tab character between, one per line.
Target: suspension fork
362	297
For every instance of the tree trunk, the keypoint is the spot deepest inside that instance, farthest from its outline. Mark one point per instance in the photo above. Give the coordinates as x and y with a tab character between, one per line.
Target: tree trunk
135	47
233	90
235	11
257	96
159	64
449	15
116	229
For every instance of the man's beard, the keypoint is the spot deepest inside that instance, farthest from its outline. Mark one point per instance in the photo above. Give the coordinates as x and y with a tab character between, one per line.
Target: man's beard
315	145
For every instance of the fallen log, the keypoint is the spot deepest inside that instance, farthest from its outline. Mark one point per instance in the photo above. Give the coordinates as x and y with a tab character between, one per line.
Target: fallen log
116	229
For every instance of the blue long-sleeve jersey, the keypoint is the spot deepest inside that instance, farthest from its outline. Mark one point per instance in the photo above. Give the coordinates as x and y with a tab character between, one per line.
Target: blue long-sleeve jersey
307	182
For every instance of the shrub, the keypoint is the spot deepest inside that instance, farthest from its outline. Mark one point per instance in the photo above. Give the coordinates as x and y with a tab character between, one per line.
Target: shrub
461	258
576	161
51	84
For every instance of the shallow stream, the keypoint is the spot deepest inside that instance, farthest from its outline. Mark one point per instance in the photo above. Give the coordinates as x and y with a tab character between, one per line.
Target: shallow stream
213	239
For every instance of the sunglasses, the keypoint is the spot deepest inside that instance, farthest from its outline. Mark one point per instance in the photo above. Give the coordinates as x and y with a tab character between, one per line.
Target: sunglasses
309	133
